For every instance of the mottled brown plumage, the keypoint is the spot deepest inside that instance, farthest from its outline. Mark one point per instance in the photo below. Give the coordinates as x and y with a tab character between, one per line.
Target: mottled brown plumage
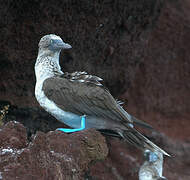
83	96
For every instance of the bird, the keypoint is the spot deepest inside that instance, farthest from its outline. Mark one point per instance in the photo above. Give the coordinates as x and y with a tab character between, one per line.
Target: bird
80	100
152	167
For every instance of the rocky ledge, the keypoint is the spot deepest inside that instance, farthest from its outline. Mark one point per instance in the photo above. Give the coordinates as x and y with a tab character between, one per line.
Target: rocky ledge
52	155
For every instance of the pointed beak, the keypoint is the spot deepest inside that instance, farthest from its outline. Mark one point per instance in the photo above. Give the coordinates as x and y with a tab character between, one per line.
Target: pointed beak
63	45
66	46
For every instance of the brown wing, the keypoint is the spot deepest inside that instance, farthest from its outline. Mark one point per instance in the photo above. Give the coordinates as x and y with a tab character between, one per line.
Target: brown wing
83	94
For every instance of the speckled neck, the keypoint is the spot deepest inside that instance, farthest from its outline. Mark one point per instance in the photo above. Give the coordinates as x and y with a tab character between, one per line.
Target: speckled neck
47	65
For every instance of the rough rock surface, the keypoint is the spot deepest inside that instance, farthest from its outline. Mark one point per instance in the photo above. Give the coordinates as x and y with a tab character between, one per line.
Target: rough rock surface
54	155
141	50
160	91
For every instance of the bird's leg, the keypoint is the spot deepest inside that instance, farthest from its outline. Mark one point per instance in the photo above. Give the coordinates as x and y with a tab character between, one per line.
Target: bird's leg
83	118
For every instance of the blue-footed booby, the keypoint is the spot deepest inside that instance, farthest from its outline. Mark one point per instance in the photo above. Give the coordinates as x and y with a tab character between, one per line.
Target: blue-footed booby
70	96
152	167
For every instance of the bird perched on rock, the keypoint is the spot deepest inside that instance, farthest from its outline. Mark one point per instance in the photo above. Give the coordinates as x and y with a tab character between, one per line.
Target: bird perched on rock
79	99
152	167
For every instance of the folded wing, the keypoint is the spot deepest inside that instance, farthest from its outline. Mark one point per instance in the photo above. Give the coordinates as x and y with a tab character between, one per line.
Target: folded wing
81	94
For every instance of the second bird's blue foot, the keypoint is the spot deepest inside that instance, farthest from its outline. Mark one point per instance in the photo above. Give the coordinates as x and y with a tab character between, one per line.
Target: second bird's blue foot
83	118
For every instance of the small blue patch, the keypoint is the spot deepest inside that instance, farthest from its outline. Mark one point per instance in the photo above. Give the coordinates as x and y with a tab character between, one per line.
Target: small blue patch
83	118
153	157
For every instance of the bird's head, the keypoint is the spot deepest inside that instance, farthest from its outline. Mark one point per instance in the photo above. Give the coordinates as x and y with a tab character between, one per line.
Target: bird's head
53	43
150	156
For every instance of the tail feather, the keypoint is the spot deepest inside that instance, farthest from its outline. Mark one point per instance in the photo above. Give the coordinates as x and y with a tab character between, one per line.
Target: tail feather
137	139
141	123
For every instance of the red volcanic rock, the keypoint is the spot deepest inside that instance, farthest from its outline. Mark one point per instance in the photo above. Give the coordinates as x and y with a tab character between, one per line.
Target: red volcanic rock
13	135
123	162
140	48
54	155
160	91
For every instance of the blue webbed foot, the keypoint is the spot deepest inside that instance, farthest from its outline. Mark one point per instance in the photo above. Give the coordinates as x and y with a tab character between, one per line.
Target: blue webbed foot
83	118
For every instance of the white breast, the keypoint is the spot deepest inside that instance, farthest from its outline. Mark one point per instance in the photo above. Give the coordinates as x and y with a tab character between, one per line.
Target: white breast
43	70
68	118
